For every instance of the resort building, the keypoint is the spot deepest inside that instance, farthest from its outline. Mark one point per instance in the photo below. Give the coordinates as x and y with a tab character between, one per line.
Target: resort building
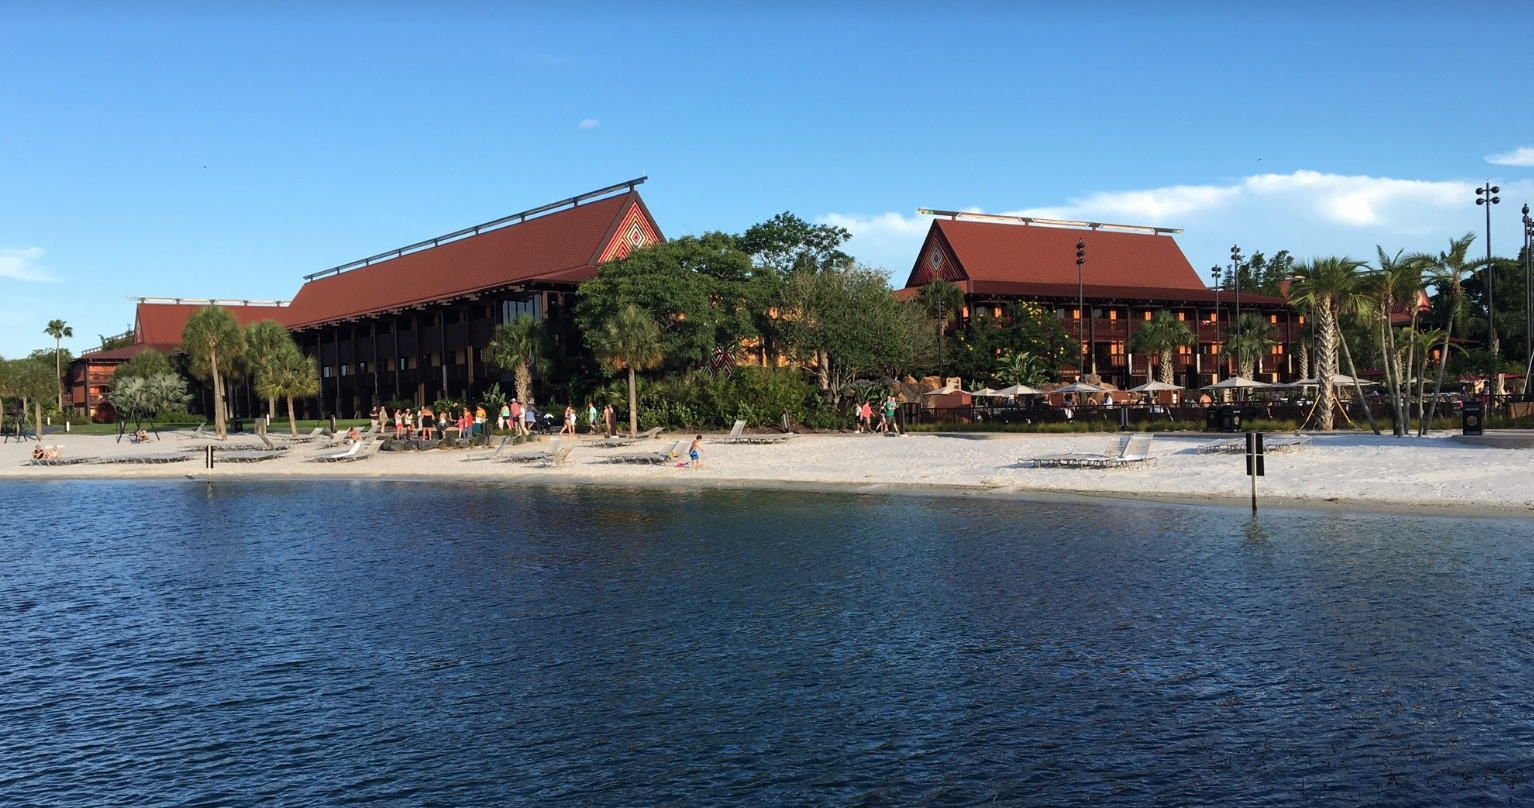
157	325
1127	275
413	323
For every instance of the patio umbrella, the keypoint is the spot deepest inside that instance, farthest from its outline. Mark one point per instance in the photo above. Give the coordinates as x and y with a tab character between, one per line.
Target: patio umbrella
1153	387
1239	383
1019	390
1079	387
1339	379
942	391
984	393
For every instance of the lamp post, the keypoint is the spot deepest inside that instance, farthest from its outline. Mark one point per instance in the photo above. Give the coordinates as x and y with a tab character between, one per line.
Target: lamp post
1081	312
1235	277
1215	272
1528	302
1486	195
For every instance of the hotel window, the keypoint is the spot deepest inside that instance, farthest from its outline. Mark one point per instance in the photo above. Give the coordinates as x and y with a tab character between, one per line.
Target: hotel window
1113	314
1148	314
1273	318
326	371
1181	315
388	365
436	360
1115	349
1097	314
1075	314
531	307
346	370
1184	350
996	311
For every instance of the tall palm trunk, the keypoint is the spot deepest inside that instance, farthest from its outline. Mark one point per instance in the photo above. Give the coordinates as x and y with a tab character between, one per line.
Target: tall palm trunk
1392	370
218	398
37	412
1358	388
524	383
1443	359
58	371
1167	368
633	406
1326	336
293	422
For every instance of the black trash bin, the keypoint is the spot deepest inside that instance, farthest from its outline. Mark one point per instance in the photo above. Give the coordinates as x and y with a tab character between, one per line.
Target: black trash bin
236	425
1211	419
1230	419
1123	419
1472	417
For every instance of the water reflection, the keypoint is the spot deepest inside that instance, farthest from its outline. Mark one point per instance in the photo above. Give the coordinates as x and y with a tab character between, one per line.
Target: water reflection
484	644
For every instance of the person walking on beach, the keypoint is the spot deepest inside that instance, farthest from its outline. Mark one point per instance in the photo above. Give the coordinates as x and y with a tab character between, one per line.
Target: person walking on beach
505	418
373	424
399	424
479	419
591	417
868	417
889	414
608	419
857	417
529	415
569	421
694	453
428	422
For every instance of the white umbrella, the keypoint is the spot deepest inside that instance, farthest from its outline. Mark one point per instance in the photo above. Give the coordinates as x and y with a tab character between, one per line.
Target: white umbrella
1239	382
984	393
1019	390
1080	387
1153	387
1340	378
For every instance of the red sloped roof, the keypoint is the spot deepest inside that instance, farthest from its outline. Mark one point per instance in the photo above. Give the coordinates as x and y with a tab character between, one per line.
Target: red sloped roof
1014	253
564	246
162	323
123	354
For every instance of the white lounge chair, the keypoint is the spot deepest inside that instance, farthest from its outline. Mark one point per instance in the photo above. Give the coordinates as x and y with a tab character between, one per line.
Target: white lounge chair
649	458
737	436
354	453
1124	450
506	441
538	457
618	441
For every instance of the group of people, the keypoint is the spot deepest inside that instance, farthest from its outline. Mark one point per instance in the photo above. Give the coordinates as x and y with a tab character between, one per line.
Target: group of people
425	424
863	415
607	418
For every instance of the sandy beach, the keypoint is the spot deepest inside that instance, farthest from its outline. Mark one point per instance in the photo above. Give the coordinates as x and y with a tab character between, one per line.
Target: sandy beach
1350	471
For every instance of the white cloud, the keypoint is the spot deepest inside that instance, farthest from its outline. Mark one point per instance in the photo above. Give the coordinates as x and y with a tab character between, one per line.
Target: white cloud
1521	156
589	123
1307	212
22	265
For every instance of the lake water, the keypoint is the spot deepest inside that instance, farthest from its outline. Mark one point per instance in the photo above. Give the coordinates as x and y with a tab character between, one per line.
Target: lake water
346	643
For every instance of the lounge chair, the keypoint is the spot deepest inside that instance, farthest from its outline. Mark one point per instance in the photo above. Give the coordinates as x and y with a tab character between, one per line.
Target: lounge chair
329	457
312	436
618	441
199	432
1118	448
145	459
538	457
737	436
558	457
1136	453
57	461
506	441
252	456
649	458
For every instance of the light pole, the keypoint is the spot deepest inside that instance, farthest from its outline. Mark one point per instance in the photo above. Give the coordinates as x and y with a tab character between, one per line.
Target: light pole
1235	277
1486	195
1215	272
1081	312
1528	302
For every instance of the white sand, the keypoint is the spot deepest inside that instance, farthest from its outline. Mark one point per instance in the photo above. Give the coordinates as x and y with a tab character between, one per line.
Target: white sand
1350	470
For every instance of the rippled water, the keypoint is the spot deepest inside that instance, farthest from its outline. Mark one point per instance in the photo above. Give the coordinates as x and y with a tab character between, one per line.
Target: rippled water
470	645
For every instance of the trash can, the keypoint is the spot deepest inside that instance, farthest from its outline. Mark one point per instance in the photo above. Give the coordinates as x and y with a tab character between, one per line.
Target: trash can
236	425
1211	419
1230	419
1123	419
1472	417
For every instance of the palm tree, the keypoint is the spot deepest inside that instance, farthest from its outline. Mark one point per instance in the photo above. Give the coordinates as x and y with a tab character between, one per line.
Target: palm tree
1448	271
1253	337
1397	281
58	330
1328	287
290	375
943	302
629	340
213	335
266	341
521	346
1019	367
1162	335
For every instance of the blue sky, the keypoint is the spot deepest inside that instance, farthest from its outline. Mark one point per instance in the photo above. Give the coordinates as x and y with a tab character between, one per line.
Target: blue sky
173	150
